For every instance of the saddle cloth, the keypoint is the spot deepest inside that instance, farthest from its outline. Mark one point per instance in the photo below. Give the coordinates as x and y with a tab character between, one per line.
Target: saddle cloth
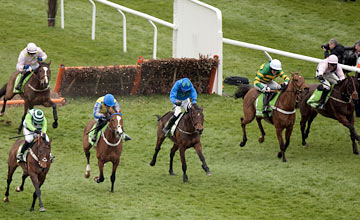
314	99
24	82
259	105
91	134
172	131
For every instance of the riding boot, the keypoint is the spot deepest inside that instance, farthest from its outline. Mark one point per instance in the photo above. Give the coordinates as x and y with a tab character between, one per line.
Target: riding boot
125	136
23	149
170	124
266	100
23	76
322	99
99	125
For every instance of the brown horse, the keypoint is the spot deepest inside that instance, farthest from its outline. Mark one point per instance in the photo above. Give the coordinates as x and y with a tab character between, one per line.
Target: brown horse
186	135
37	166
283	115
108	148
339	107
36	92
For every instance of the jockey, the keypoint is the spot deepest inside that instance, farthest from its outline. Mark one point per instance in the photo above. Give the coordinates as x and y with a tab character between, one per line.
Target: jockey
180	95
35	123
328	72
103	108
264	80
28	61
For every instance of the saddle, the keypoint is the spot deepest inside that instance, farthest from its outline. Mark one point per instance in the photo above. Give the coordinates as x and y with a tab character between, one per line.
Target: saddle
91	134
259	104
314	99
173	128
15	91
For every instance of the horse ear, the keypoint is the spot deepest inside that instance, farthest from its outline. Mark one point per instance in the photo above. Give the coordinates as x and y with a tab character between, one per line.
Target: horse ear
299	72
49	63
292	74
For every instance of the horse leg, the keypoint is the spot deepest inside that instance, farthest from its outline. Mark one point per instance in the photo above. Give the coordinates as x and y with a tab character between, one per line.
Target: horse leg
288	133
198	149
37	193
87	154
115	165
351	119
159	141
281	143
249	115
11	171
21	187
100	178
309	118
183	162
3	108
172	153
49	103
261	138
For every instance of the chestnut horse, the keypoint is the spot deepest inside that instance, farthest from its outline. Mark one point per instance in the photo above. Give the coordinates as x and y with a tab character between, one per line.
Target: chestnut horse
37	165
283	115
339	107
108	148
186	135
36	92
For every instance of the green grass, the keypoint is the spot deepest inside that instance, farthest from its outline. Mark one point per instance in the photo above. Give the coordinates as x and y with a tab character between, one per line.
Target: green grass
318	182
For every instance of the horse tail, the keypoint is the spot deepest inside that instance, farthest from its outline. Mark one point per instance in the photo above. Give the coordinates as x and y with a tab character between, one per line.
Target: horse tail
160	117
242	90
3	90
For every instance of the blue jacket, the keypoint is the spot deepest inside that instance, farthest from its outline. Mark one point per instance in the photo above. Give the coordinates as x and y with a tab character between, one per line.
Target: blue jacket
177	93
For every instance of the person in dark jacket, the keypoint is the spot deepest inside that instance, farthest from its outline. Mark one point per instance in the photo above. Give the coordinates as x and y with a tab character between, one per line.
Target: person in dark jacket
333	47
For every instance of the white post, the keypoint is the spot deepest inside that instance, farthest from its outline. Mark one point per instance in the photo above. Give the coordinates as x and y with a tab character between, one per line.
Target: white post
93	20
62	13
155	39
124	30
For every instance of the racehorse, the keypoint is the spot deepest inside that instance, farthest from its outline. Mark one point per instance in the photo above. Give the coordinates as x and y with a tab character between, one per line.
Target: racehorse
339	107
37	165
36	92
108	148
283	115
186	135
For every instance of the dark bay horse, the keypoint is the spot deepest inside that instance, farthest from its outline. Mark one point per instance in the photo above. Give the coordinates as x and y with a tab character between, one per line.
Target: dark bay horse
36	92
339	107
37	166
108	148
283	115
186	135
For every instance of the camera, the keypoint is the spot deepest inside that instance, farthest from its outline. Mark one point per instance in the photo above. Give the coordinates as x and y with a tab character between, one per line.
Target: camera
326	46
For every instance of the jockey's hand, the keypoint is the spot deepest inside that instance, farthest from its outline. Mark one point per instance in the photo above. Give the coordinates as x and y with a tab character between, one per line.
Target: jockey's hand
321	78
37	131
178	103
266	89
283	86
195	106
39	59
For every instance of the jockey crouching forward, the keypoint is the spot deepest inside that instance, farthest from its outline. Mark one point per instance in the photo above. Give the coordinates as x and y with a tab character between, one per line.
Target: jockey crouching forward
264	80
35	123
28	61
329	73
103	108
180	95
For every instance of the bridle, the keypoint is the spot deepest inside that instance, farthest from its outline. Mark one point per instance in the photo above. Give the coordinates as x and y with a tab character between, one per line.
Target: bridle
45	78
113	130
193	122
36	156
348	93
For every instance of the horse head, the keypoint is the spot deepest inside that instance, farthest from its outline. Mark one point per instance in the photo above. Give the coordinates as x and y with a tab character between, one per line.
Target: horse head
349	87
297	84
197	118
42	151
44	74
115	124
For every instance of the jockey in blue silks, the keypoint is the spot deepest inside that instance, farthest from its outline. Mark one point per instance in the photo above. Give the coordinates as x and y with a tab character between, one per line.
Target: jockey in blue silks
180	95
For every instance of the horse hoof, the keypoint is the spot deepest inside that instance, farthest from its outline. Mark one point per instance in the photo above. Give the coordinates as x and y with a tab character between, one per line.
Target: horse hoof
279	154
242	144
18	189
1	113
42	209
96	179
55	124
152	163
87	175
6	199
208	173
172	173
31	209
185	179
261	139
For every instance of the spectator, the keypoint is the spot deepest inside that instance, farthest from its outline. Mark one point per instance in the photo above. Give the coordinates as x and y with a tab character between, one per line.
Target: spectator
333	47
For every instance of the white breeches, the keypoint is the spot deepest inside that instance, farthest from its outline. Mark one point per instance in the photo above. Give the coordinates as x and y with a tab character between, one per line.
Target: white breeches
30	136
272	84
184	103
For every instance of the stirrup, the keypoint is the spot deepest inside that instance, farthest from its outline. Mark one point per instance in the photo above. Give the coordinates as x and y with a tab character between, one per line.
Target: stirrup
20	157
166	131
321	106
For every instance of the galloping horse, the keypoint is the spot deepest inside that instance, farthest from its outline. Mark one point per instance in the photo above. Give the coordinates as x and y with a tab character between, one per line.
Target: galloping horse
36	92
283	115
37	165
108	148
186	135
339	107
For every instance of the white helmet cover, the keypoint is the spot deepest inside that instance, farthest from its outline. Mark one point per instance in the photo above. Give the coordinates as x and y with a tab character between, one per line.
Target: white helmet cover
31	48
275	64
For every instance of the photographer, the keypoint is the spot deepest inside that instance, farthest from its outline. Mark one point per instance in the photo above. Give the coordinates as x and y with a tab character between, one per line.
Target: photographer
333	47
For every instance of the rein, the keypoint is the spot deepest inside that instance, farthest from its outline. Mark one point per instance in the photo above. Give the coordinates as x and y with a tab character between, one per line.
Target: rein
39	79
296	91
350	99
